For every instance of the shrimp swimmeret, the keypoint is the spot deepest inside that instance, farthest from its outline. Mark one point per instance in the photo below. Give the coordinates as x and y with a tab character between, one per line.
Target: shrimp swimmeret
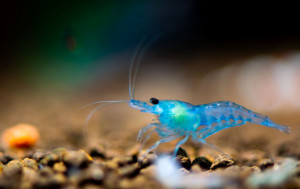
177	119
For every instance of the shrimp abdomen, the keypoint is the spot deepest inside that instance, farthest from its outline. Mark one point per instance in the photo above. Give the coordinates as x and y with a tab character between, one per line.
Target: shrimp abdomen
225	114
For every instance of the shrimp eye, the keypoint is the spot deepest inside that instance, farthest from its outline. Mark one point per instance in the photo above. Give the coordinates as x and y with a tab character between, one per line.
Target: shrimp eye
154	100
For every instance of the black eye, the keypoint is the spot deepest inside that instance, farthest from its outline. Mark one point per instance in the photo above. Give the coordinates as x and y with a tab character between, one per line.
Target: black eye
154	100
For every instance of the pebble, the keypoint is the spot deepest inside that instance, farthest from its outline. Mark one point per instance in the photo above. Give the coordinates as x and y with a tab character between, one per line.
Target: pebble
30	163
13	169
183	159
5	158
77	159
59	167
62	168
50	159
222	162
97	152
265	163
60	152
38	156
202	162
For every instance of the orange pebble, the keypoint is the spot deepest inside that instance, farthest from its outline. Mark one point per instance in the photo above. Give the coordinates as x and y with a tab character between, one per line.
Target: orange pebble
20	136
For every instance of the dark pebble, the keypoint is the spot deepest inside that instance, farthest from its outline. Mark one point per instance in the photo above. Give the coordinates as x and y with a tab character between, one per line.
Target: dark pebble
4	158
97	152
222	162
183	159
202	162
265	163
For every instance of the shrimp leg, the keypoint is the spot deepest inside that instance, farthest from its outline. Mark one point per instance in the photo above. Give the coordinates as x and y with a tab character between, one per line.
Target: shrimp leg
160	141
144	130
181	142
163	132
196	139
143	142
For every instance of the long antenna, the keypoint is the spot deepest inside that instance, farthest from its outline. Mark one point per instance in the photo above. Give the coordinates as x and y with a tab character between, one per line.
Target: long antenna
135	62
102	104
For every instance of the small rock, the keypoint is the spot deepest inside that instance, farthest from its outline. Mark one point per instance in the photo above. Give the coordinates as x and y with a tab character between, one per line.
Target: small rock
60	152
50	159
77	158
13	169
222	162
30	163
97	152
183	159
5	158
38	156
59	167
202	162
265	163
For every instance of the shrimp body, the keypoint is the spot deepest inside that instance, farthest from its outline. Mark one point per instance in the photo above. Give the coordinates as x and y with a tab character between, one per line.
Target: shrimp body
177	119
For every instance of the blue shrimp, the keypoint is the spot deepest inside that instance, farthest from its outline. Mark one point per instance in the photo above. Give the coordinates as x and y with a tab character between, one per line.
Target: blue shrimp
176	119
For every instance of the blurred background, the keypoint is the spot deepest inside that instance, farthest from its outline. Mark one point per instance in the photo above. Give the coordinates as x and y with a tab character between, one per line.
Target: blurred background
59	55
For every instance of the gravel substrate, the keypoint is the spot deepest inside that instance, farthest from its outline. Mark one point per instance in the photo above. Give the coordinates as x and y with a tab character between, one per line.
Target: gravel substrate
62	168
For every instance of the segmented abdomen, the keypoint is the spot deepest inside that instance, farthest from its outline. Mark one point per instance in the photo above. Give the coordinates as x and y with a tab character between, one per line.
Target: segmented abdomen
225	114
224	111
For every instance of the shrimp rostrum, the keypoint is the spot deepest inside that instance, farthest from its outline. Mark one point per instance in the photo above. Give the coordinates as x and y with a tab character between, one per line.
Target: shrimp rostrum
178	119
